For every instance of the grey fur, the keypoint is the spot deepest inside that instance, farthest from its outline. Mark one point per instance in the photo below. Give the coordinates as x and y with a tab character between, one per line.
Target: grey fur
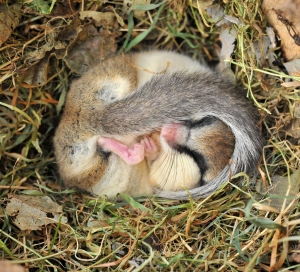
186	96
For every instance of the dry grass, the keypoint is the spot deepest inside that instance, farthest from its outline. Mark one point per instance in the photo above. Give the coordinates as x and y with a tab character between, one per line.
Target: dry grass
233	230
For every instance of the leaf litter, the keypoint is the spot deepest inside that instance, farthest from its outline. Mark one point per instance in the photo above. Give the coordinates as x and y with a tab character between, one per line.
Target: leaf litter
235	229
33	212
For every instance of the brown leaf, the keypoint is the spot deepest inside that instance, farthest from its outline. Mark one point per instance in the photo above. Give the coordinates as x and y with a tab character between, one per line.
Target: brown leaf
39	72
293	67
291	84
39	54
7	266
91	51
63	8
98	16
283	15
203	4
9	20
294	257
294	128
70	32
297	110
129	4
280	188
80	46
36	74
216	12
227	38
32	212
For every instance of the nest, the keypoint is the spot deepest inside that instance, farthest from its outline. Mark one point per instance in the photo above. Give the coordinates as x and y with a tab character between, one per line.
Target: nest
249	226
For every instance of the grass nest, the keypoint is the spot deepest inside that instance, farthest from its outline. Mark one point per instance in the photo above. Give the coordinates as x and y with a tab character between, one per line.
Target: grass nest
241	227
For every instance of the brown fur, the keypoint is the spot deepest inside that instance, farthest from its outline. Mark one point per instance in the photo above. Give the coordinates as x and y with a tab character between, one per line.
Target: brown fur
81	99
218	144
215	142
128	96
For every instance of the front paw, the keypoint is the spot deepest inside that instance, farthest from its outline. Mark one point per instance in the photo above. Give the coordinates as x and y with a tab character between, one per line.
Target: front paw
151	148
130	155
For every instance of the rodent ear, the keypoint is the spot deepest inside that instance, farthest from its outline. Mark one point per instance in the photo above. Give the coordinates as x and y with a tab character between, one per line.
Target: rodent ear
175	134
114	89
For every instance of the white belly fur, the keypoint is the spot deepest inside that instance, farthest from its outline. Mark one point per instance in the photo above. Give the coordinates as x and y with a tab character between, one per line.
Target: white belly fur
123	178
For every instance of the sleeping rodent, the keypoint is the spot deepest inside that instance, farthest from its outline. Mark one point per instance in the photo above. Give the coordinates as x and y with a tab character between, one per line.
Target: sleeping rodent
152	95
181	155
191	154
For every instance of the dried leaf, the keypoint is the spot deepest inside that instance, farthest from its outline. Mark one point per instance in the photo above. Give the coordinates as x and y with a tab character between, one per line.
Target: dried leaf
293	67
39	53
33	212
119	18
271	34
260	49
80	46
7	266
233	20
203	4
297	110
9	20
37	74
88	45
62	9
280	188
227	37
216	13
294	129
91	51
98	16
283	15
294	257
70	32
128	5
291	84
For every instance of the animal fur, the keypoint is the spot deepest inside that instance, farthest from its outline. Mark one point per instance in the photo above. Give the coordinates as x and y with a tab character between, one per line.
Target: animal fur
129	96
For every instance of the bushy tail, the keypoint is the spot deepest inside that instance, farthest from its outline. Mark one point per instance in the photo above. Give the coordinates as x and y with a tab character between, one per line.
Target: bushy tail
189	96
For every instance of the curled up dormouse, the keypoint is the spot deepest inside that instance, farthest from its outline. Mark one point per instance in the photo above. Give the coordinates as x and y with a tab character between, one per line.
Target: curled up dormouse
155	122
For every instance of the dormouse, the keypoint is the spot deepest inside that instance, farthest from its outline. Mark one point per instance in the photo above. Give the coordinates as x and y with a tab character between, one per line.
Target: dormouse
181	106
191	154
181	155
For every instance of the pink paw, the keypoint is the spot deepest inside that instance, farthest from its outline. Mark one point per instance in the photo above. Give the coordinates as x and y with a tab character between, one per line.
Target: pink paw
130	155
150	148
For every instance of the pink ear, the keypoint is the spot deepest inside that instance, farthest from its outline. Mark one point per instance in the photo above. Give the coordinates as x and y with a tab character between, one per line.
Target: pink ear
170	132
130	155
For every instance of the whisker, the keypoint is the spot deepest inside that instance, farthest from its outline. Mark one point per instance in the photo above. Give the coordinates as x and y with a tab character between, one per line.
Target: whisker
168	169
